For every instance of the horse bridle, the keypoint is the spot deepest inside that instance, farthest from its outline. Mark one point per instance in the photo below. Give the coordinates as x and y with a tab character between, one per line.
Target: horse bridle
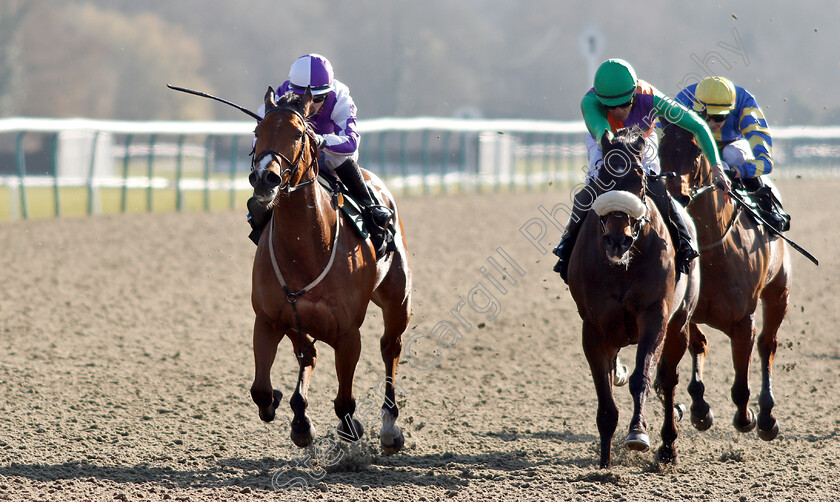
292	296
639	223
704	185
256	159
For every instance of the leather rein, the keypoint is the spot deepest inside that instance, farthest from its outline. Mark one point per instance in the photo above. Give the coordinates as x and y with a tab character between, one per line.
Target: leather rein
704	185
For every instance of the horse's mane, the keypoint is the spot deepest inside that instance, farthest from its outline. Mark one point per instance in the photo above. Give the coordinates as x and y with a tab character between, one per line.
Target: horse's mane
628	136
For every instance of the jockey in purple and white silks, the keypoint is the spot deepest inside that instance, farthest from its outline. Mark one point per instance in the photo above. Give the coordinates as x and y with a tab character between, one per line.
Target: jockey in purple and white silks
334	116
333	119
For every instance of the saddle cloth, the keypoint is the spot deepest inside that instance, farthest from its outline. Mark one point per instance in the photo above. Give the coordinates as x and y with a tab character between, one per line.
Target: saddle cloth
383	241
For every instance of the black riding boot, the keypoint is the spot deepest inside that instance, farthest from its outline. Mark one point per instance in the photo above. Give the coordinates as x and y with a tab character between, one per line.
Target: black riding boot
684	248
770	207
378	217
563	251
258	218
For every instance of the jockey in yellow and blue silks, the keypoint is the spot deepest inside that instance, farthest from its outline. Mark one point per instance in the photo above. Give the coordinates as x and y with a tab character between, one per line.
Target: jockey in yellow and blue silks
742	135
618	99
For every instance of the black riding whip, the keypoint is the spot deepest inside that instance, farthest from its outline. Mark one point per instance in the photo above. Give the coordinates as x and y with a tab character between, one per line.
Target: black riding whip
205	95
772	229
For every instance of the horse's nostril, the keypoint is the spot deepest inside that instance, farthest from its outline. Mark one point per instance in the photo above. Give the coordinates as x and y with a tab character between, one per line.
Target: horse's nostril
272	179
252	178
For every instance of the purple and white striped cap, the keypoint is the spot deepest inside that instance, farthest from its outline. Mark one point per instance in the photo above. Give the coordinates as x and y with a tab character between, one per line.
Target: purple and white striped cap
311	70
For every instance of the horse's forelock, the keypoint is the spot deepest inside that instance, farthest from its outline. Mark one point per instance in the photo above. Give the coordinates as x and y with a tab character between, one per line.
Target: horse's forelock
292	101
628	138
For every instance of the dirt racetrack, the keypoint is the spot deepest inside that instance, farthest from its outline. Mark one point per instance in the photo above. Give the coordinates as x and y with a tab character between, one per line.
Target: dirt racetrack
125	364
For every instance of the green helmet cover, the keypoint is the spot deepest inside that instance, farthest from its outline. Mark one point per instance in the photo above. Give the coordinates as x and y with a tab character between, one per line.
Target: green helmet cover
615	82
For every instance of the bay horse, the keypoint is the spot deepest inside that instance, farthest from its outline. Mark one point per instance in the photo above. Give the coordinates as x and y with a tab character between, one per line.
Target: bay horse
623	279
314	276
741	263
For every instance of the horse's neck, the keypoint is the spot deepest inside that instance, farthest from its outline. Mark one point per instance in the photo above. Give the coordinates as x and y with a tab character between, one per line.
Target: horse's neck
714	211
304	224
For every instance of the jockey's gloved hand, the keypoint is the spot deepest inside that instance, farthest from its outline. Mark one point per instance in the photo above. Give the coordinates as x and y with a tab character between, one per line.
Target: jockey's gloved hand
720	179
734	171
320	141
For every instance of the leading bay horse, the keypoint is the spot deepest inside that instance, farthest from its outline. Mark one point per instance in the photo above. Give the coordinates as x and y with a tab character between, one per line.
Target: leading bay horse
741	263
623	278
314	276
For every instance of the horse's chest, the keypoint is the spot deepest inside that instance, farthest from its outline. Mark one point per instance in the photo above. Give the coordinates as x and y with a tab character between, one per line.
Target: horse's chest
616	320
317	318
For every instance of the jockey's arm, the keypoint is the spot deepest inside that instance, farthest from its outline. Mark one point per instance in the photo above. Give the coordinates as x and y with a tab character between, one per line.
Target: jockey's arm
681	116
753	126
343	139
593	117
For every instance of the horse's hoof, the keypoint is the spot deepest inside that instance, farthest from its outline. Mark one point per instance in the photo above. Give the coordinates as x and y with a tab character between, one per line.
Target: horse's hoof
769	434
351	436
267	414
702	423
637	441
667	455
303	433
621	375
749	425
397	445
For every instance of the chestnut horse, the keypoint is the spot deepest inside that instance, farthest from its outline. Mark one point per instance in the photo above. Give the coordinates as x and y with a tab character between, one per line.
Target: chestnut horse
741	263
623	278
314	277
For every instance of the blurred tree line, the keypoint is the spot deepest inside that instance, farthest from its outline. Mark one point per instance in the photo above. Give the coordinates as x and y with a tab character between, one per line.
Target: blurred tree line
112	58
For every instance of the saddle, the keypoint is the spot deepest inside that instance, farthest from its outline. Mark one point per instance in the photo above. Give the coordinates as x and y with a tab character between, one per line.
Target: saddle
381	238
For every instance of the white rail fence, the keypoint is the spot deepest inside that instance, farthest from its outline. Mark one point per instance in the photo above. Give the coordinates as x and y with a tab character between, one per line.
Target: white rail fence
414	155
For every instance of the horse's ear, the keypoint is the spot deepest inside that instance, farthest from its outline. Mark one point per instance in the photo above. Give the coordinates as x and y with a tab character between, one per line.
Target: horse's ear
639	144
606	141
306	101
270	98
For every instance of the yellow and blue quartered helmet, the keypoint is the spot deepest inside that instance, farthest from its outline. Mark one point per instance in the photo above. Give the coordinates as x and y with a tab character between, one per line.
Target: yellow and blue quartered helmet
714	96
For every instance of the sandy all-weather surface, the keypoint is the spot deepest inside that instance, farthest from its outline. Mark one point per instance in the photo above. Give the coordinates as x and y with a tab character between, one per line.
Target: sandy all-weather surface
125	364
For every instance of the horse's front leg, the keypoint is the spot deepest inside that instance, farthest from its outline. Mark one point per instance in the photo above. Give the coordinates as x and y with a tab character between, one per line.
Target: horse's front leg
601	360
651	326
266	339
303	432
347	350
673	350
701	413
742	339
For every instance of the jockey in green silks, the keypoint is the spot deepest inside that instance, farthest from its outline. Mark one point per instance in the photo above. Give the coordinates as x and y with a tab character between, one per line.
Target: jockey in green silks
619	99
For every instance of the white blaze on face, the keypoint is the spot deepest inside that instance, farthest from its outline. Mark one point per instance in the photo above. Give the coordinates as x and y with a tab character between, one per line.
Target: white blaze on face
265	161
